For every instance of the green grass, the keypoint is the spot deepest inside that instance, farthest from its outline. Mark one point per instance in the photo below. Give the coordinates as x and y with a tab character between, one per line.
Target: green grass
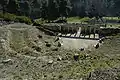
13	17
111	18
78	19
39	21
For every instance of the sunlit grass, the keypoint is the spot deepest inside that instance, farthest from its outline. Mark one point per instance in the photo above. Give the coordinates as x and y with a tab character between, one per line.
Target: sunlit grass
78	19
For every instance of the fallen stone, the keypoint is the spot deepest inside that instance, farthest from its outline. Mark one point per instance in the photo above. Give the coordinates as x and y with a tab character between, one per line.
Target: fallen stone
55	49
81	49
7	61
97	46
50	61
48	44
59	58
59	44
39	36
76	57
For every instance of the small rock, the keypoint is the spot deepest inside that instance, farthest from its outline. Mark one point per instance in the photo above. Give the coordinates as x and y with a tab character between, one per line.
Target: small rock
2	40
48	44
55	49
38	49
59	58
76	57
57	39
59	44
97	46
81	49
7	61
100	41
46	41
59	35
39	36
50	61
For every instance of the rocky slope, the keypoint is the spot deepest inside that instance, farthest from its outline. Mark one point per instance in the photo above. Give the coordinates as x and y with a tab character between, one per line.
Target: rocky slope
27	53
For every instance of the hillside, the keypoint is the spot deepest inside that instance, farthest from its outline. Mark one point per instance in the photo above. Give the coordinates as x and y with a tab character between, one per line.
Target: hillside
27	53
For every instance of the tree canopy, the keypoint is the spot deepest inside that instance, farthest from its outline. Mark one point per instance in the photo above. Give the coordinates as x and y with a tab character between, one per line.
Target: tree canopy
53	9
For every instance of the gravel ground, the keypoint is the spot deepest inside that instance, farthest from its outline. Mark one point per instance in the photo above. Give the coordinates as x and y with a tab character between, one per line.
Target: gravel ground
2	23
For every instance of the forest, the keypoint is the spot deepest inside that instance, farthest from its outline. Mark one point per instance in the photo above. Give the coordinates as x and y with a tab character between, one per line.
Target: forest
52	9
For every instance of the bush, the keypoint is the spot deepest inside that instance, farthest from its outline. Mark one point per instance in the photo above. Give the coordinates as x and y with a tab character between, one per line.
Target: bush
1	15
8	16
39	21
23	19
78	19
12	17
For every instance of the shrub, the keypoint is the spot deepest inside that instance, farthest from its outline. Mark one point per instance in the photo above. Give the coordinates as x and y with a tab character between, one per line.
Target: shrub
23	19
7	16
1	15
39	21
12	17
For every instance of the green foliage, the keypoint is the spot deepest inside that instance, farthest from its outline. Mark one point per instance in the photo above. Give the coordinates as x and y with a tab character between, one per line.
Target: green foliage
64	8
1	15
4	3
8	16
39	21
25	8
53	11
13	6
44	10
111	18
12	17
78	19
23	19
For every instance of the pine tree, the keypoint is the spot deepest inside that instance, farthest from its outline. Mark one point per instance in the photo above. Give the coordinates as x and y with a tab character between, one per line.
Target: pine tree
13	6
64	8
44	10
4	4
25	8
53	9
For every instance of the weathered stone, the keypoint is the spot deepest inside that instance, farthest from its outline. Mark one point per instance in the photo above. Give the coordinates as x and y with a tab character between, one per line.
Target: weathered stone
7	61
57	39
59	44
37	48
97	46
81	49
100	41
76	57
48	44
39	36
50	61
55	49
59	58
